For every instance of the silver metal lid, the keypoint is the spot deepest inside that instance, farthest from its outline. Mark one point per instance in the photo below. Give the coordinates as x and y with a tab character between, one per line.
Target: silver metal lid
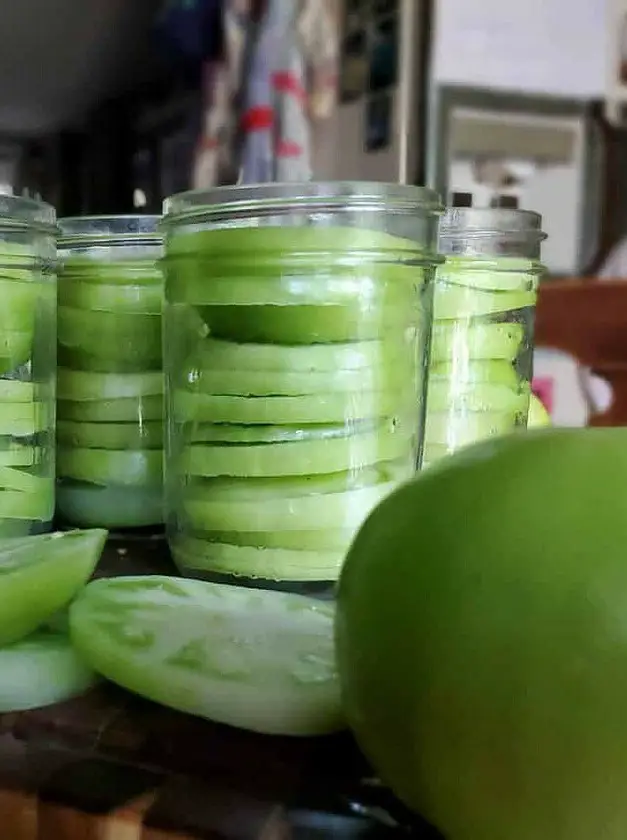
109	230
494	231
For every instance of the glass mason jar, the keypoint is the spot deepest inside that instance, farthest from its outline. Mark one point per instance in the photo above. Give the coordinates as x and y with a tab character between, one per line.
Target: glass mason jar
28	322
110	377
296	333
482	335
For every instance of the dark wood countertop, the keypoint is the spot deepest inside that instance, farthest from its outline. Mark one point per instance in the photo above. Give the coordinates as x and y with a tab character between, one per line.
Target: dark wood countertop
112	766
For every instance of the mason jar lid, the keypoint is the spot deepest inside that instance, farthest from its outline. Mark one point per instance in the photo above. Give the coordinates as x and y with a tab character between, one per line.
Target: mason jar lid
324	196
87	231
493	231
25	214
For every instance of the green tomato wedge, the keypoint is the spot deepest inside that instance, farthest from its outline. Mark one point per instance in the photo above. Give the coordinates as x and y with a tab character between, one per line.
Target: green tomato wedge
308	457
318	408
110	466
452	302
41	669
112	335
466	371
40	575
453	397
460	429
464	339
214	354
310	324
111	297
79	386
24	419
248	658
135	435
278	564
15	349
205	510
124	410
113	506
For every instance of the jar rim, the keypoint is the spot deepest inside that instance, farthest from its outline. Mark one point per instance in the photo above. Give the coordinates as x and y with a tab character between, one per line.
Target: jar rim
109	229
311	195
491	221
24	214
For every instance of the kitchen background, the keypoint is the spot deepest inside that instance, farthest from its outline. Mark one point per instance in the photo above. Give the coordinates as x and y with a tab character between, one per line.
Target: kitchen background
108	106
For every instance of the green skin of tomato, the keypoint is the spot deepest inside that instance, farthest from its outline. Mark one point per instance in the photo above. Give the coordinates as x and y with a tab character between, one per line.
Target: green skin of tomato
485	675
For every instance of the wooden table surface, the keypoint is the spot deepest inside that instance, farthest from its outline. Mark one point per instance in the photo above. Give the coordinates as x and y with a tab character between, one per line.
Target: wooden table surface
111	766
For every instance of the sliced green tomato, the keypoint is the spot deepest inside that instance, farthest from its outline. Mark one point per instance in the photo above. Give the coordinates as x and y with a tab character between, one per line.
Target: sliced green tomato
19	305
214	354
110	466
41	669
455	397
501	274
205	511
452	302
136	435
233	434
112	335
74	359
278	564
302	324
466	371
83	386
138	272
40	575
113	506
15	349
462	428
468	340
15	391
314	409
249	658
12	478
146	299
125	410
17	455
24	419
31	506
267	383
308	457
331	539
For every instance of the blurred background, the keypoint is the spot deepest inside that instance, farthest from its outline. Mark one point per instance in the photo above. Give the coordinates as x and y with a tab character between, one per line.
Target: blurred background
108	106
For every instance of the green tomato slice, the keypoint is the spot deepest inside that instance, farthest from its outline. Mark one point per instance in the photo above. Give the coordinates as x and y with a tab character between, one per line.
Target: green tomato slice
12	478
78	293
460	429
501	274
453	301
24	419
83	386
17	455
455	397
113	335
214	354
310	324
110	466
114	506
237	434
206	511
463	371
249	658
138	272
290	410
19	305
15	349
41	669
464	339
136	435
40	575
125	410
307	457
278	564
33	506
15	391
331	539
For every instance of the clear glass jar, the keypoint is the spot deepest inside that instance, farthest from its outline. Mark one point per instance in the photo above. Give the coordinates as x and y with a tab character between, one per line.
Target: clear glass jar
110	378
28	321
482	336
296	332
